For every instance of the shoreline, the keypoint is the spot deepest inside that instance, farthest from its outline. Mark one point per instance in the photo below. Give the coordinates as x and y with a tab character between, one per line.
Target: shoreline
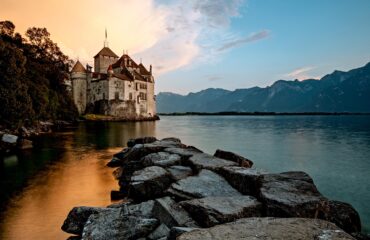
264	114
175	191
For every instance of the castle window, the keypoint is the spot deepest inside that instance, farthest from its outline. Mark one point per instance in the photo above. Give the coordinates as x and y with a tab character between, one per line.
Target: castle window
103	96
130	96
116	95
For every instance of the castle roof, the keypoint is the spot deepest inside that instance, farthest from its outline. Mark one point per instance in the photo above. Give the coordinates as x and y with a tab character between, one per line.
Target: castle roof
78	67
143	70
120	62
106	51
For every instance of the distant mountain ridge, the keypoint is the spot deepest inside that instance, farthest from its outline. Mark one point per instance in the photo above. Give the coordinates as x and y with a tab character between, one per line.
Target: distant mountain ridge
335	92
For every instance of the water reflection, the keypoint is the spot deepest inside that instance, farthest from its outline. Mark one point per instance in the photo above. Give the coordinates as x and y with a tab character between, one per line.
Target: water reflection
75	174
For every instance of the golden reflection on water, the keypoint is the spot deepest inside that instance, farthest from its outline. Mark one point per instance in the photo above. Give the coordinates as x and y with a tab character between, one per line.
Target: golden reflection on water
79	178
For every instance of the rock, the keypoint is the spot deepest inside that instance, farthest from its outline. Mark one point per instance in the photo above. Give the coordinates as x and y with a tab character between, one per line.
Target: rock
162	159
24	144
177	231
205	161
9	138
360	236
211	211
342	214
179	172
171	213
149	183
115	162
290	194
115	225
270	228
162	231
118	173
245	180
144	209
117	195
185	153
171	139
241	161
205	184
143	140
77	218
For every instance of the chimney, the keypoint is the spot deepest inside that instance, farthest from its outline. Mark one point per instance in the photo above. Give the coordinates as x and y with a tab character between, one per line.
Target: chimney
150	69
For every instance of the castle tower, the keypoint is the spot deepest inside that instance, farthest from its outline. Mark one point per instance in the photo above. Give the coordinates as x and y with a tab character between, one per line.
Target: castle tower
79	86
104	58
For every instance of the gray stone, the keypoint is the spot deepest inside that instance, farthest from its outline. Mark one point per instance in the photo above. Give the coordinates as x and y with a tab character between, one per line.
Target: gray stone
115	225
9	138
342	214
245	180
185	153
205	184
162	159
149	183
162	231
212	211
205	161
171	213
143	140
240	160
290	194
179	172
177	231
144	209
77	218
270	228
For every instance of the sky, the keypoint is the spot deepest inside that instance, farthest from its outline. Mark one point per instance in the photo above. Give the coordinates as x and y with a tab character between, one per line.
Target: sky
199	44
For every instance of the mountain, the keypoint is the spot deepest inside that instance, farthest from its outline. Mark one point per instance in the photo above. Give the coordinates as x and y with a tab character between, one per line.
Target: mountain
335	92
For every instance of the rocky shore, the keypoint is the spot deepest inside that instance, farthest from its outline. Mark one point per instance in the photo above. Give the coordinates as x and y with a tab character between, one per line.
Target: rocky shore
21	138
175	191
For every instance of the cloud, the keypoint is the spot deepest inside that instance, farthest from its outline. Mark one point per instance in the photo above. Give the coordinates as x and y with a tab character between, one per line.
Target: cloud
213	77
301	73
240	41
169	34
218	12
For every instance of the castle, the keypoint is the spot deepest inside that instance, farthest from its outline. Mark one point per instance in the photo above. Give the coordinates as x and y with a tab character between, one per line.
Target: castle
117	87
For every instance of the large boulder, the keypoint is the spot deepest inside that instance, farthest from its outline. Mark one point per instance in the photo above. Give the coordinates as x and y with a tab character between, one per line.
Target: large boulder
149	183
162	159
179	172
342	214
240	160
211	211
290	194
171	213
205	161
116	225
77	217
245	180
270	228
177	231
205	184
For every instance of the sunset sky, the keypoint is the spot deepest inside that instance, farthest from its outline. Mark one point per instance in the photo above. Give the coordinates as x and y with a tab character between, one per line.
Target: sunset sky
197	44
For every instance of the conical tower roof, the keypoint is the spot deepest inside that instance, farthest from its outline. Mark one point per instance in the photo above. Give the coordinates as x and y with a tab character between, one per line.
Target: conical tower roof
78	67
106	51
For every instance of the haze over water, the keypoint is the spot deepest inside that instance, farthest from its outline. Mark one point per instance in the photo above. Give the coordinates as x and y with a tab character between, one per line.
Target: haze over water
68	169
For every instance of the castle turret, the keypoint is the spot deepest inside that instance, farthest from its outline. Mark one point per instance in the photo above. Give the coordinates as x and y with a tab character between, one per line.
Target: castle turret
79	86
104	58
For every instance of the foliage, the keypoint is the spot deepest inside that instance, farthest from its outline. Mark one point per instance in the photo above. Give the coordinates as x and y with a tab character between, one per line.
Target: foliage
32	77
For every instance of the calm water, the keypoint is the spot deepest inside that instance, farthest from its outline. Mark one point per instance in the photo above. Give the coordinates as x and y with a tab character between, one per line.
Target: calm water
68	169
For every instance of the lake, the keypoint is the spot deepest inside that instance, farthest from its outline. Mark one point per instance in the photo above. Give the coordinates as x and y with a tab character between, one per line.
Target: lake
67	169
